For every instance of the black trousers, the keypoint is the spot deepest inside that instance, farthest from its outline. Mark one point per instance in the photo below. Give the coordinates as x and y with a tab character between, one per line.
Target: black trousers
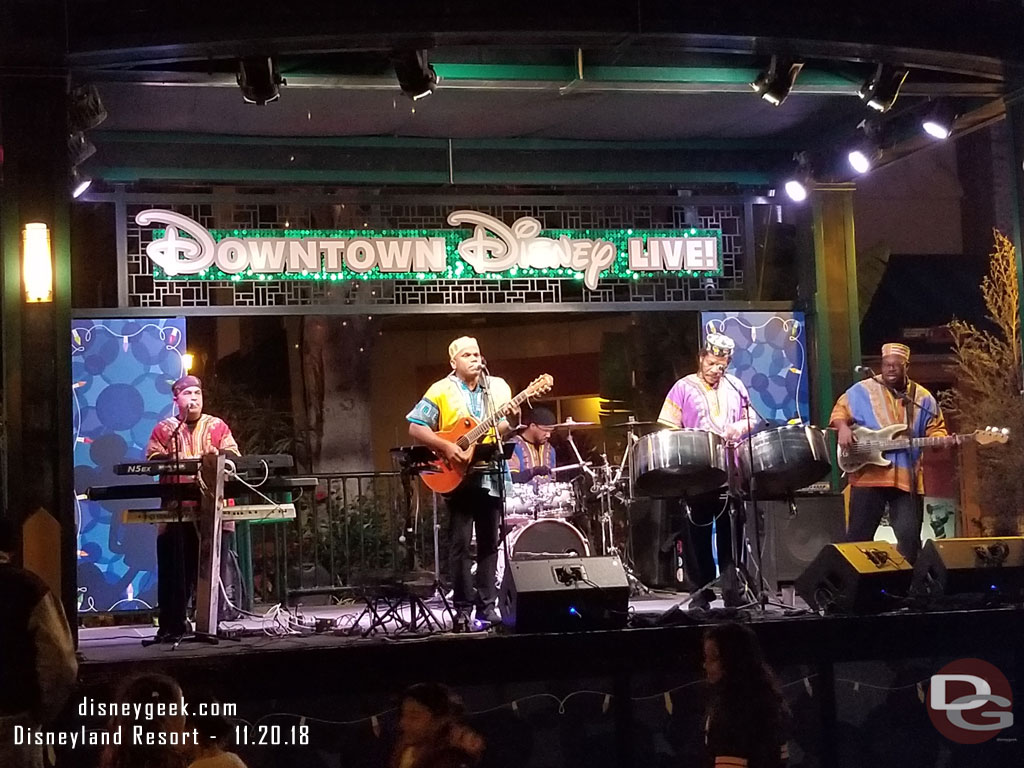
867	506
466	508
698	559
177	563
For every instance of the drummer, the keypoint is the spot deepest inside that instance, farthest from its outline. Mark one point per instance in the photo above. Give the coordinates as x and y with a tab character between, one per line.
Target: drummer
534	457
714	401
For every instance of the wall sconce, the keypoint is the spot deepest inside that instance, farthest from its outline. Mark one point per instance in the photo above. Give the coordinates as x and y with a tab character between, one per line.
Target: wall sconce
186	362
37	263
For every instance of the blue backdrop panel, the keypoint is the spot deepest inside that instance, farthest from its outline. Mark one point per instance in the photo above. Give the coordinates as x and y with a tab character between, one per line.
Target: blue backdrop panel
121	374
771	359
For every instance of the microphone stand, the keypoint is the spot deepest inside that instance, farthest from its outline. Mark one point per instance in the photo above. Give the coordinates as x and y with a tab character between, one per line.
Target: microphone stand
491	412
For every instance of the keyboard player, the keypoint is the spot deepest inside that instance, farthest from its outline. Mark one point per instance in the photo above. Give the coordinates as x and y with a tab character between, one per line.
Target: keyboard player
188	434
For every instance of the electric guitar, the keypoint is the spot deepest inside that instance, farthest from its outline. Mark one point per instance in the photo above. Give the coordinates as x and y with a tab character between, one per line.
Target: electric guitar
872	443
444	478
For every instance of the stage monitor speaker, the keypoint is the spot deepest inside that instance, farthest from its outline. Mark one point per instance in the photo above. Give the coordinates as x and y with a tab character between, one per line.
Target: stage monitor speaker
564	594
856	577
793	540
984	566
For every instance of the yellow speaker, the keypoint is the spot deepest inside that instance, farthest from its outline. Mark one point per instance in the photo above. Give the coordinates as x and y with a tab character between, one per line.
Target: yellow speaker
985	566
855	577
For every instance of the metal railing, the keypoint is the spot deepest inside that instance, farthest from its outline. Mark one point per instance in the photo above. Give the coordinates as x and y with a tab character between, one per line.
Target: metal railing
355	529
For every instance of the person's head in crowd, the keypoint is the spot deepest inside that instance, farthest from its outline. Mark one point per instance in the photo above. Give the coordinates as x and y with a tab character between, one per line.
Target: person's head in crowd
431	731
735	666
539	427
149	689
427	709
214	736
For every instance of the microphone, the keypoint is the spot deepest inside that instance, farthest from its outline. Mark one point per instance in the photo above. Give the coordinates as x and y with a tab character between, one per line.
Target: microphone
864	371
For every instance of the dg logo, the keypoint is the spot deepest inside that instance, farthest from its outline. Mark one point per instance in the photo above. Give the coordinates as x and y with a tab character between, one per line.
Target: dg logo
970	701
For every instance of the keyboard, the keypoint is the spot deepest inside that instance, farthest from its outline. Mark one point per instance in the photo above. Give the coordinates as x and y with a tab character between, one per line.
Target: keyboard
250	513
250	462
190	491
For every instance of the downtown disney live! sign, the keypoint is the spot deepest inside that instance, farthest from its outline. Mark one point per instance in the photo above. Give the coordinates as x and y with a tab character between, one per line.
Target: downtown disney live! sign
183	249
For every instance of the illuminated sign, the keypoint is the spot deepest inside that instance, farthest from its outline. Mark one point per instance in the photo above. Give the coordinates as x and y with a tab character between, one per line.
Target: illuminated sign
491	249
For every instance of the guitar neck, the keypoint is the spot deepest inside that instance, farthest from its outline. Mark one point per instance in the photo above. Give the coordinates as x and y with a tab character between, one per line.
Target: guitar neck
914	442
485	426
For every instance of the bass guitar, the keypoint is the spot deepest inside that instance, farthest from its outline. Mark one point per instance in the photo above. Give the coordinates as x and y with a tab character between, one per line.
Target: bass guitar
871	444
467	432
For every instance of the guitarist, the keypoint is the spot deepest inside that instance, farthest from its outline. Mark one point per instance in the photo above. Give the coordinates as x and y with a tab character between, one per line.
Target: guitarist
881	401
465	391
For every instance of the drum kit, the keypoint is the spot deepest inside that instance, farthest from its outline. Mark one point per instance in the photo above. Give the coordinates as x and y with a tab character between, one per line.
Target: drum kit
772	464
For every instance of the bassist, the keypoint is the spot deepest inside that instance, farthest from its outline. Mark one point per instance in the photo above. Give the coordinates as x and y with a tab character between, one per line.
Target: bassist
880	401
467	391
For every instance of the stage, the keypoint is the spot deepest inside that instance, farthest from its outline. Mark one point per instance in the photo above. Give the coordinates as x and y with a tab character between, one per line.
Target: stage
620	697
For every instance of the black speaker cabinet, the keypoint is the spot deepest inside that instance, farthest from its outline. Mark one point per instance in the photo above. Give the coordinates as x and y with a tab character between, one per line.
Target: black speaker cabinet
856	577
792	541
564	594
988	566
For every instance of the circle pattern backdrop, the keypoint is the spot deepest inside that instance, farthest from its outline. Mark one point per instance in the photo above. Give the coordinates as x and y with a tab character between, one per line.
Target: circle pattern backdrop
122	371
770	359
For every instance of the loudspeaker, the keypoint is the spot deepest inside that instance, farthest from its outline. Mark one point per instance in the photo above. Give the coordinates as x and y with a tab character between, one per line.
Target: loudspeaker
564	594
793	540
857	577
992	567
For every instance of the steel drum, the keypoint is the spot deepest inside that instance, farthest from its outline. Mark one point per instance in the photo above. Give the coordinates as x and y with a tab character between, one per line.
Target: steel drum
678	462
785	459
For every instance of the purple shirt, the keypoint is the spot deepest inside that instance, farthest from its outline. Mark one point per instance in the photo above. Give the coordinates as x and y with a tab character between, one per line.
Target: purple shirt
694	405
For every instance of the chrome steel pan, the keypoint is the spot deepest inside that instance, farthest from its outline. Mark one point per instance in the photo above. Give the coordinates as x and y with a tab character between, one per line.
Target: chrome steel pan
678	462
785	459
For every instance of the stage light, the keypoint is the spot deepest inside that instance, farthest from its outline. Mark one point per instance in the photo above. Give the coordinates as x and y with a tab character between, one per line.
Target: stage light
85	108
865	151
37	263
796	190
775	83
881	89
79	183
859	161
186	361
416	77
938	123
260	80
80	148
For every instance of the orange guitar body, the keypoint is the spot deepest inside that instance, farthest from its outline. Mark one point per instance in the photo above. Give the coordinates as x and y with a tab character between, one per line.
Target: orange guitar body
443	478
468	431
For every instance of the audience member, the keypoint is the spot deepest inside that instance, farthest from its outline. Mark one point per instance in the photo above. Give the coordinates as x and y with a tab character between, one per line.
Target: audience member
37	655
134	752
431	733
746	714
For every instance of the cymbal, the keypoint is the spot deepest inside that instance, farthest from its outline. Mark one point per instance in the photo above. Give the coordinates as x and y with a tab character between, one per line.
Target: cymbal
571	423
633	424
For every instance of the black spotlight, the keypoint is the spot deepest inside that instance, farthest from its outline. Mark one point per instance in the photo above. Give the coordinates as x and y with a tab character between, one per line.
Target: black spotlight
416	77
260	79
775	83
85	108
881	89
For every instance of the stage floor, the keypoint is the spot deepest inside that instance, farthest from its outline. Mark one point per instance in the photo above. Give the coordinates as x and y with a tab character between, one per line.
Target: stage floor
351	622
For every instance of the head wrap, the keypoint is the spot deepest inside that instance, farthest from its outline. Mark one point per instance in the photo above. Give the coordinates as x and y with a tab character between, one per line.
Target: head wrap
461	343
542	417
719	345
184	383
900	350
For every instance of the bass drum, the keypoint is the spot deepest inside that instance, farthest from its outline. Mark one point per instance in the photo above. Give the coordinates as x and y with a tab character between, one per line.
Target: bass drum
541	539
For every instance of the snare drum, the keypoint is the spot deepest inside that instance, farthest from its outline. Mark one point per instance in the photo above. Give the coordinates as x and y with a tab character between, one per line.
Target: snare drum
520	504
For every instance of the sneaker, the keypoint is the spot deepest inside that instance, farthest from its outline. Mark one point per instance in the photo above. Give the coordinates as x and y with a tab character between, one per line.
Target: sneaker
488	615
